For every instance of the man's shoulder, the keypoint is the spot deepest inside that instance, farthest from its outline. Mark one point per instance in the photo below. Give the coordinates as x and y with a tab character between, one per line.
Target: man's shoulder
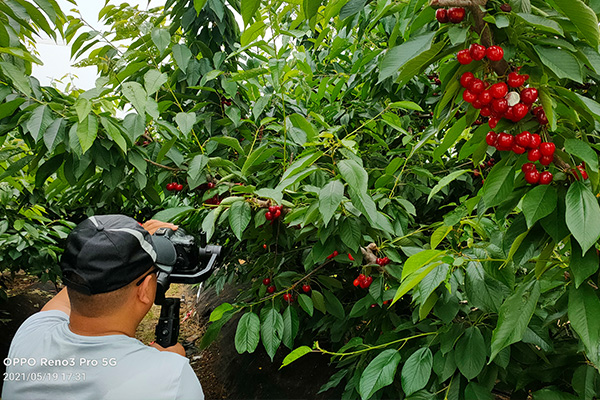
42	320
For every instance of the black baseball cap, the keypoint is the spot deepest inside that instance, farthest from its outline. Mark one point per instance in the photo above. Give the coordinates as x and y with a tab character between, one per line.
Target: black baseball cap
107	252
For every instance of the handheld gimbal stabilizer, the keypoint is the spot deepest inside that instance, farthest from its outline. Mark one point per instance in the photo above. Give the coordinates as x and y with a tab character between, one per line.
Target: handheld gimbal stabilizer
194	264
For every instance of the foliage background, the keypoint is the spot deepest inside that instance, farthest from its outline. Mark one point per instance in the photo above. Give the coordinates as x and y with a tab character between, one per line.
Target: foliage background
349	115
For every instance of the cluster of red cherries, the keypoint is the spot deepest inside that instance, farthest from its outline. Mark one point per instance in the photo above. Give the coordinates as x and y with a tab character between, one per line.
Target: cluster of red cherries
522	142
267	283
382	261
273	213
174	187
454	15
363	281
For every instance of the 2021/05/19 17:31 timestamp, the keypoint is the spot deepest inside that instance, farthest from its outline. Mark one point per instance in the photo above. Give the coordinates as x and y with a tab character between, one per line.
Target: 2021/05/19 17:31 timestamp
44	376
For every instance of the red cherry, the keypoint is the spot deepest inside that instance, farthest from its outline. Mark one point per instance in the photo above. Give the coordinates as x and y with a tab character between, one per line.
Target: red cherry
529	95
491	138
523	139
515	80
505	140
477	51
272	209
277	214
528	167
508	114
494	53
288	297
269	216
306	288
364	284
486	111
264	246
361	277
469	96
545	178
441	15
356	282
266	281
179	187
492	122
536	140
464	57
520	110
477	104
271	289
583	172
485	97
210	185
547	148
500	105
466	78
476	86
506	7
541	117
536	110
350	257
169	186
546	160
456	14
499	90
534	155
517	149
532	177
369	280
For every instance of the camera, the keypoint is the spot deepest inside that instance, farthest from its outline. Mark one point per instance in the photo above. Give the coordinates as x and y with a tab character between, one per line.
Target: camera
195	263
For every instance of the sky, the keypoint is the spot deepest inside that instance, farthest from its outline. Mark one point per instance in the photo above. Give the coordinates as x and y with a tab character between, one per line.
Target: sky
57	56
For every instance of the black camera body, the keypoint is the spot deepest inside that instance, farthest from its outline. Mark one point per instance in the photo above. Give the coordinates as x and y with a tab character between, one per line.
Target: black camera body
195	263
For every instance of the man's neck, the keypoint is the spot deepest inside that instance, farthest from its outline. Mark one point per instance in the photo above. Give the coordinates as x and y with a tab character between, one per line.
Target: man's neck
100	326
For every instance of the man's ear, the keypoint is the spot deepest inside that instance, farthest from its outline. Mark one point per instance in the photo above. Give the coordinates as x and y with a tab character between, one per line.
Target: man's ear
147	290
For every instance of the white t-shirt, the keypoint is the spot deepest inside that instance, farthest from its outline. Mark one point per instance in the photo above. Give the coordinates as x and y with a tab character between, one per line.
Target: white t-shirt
48	361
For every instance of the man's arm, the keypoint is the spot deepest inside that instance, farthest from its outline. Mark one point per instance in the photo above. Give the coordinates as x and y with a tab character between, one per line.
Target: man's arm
59	302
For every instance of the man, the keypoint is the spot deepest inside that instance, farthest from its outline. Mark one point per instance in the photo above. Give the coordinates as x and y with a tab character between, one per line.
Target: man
81	344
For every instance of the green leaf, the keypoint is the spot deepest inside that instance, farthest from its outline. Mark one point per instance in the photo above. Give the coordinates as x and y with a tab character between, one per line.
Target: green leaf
582	150
318	301
552	394
483	291
153	80
302	123
199	5
514	316
585	382
17	77
583	309
445	181
561	62
334	306
310	8
413	280
379	373
330	197
83	107
185	121
172	214
40	120
351	7
208	224
87	132
582	215
161	38
421	259
291	324
248	9
231	142
582	267
239	217
350	233
196	174
271	331
538	203
355	175
439	234
247	334
396	57
218	312
306	304
541	23
450	138
407	105
135	93
417	370
294	355
470	352
182	56
256	157
583	18
498	185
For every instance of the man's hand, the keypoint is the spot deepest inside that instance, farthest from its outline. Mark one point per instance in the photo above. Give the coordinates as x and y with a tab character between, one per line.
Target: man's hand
177	348
152	225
